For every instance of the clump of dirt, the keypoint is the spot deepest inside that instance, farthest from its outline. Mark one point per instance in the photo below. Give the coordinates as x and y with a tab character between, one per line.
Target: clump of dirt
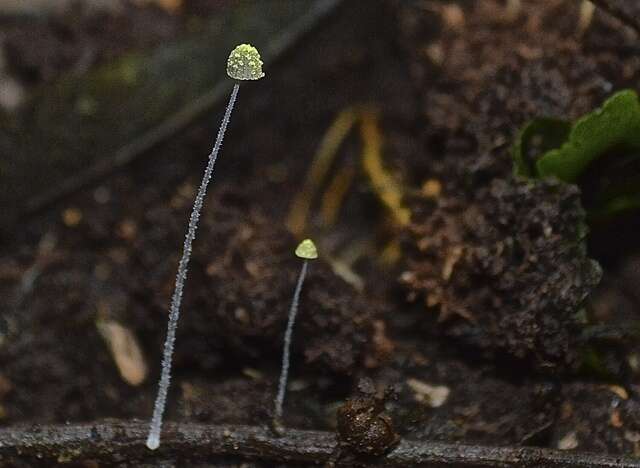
484	69
505	267
241	280
245	267
492	245
363	426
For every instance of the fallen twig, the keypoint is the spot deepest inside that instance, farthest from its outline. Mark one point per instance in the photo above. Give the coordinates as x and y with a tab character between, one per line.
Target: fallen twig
617	10
112	442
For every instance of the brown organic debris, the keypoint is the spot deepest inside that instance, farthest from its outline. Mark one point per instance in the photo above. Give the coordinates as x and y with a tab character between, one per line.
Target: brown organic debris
125	350
505	267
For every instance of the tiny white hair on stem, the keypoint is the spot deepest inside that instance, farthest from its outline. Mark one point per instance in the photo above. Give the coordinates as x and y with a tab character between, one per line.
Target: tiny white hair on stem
155	427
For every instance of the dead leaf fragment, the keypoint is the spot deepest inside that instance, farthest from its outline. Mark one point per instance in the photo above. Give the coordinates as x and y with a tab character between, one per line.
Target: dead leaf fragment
253	374
432	395
620	391
432	188
125	351
632	436
453	17
71	217
450	262
587	9
569	441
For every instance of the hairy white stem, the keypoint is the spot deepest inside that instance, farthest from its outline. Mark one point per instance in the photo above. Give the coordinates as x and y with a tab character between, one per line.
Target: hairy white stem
282	387
153	440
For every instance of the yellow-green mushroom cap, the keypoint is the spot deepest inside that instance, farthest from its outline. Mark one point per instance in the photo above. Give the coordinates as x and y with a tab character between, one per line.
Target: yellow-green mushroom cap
244	63
307	250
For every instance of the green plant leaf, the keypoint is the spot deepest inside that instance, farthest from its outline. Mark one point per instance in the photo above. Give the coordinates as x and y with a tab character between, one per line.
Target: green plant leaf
535	139
614	128
616	206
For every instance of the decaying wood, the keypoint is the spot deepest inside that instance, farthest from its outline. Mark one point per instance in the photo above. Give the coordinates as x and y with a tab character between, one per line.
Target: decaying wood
112	442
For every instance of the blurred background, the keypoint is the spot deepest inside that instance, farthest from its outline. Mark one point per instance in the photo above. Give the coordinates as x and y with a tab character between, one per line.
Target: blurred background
383	129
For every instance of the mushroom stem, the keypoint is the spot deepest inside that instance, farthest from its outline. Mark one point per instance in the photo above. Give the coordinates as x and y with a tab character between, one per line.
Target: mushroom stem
153	441
284	374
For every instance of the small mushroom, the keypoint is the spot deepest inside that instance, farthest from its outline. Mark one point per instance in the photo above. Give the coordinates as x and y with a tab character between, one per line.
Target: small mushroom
306	250
244	63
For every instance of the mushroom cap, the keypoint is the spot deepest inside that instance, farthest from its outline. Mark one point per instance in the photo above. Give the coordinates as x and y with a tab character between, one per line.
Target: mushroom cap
307	250
244	63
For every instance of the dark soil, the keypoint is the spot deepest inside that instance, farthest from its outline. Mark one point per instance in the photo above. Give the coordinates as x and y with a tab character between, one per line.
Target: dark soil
493	300
44	49
509	265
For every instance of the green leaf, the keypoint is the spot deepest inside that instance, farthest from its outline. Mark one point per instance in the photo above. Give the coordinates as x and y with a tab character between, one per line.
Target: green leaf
615	206
536	138
613	128
601	151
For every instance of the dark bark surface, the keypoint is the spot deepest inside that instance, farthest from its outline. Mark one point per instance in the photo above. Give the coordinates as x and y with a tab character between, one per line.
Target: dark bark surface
123	442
